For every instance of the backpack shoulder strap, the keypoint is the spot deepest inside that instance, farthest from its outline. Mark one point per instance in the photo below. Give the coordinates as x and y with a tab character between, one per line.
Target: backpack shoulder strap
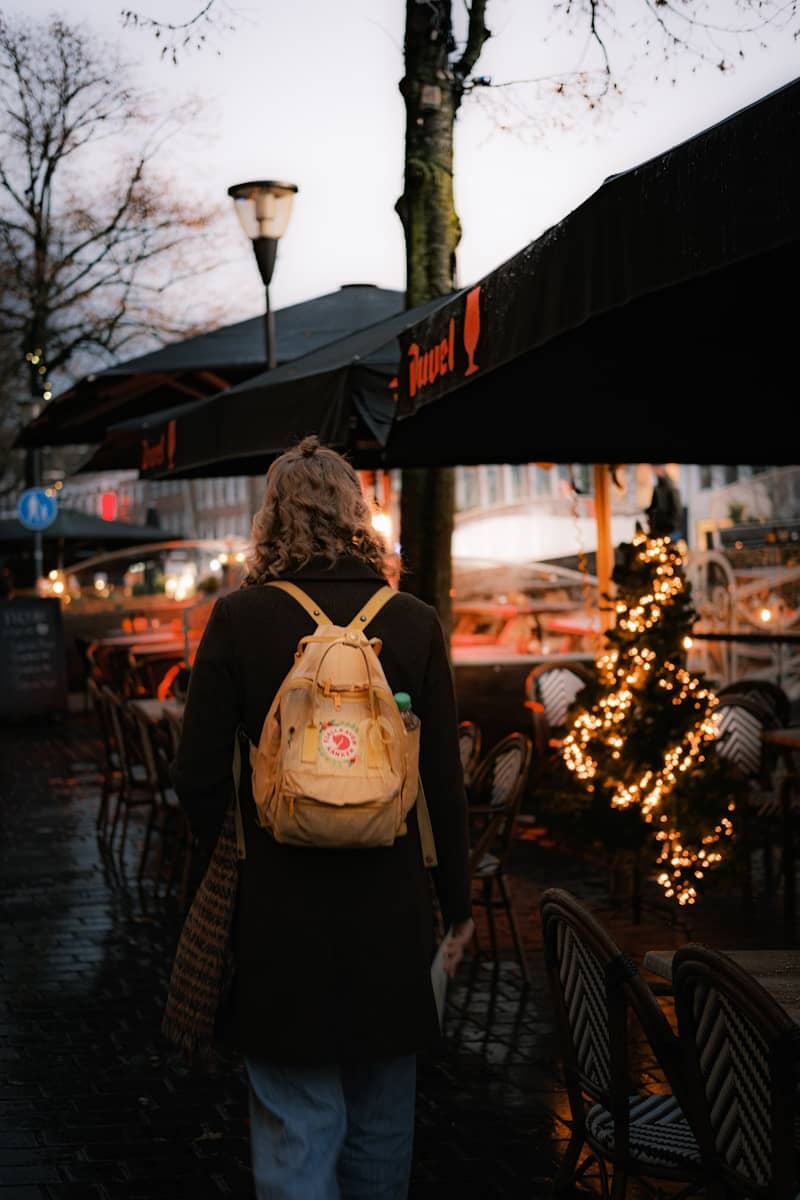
304	600
371	608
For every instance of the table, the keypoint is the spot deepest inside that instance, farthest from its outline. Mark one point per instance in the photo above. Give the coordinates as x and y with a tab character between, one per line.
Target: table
112	655
147	637
154	710
787	740
778	972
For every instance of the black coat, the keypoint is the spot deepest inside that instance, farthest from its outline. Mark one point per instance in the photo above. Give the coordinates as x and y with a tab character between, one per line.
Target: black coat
332	948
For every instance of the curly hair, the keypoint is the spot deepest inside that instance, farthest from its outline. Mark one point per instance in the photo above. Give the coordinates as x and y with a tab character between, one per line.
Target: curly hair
313	507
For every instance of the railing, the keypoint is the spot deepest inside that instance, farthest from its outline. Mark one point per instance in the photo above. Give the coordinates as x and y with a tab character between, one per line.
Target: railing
748	654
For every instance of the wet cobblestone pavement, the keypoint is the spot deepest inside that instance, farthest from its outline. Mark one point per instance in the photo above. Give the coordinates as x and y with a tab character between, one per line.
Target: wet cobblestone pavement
94	1103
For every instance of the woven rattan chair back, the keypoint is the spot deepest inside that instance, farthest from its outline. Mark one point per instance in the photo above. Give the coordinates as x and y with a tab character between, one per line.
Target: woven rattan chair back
743	1062
469	745
599	996
501	773
140	785
496	792
767	695
550	690
740	722
111	765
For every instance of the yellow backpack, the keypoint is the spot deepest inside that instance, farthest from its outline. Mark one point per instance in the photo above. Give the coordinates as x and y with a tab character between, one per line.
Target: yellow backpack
335	765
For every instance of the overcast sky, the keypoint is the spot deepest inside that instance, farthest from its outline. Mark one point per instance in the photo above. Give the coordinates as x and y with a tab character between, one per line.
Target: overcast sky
307	90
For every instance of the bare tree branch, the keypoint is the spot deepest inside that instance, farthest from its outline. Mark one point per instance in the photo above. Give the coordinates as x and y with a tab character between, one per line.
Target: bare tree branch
178	37
477	36
85	269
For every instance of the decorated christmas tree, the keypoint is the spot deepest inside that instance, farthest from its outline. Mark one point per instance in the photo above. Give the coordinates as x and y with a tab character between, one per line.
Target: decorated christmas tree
640	740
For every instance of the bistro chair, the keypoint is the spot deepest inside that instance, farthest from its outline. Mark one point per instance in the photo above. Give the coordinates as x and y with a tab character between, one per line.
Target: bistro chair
108	665
742	1064
147	669
599	999
154	742
167	820
740	723
111	766
173	717
469	744
550	690
763	692
139	782
496	792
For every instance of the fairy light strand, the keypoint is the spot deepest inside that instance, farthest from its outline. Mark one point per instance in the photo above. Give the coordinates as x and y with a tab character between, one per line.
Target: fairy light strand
594	747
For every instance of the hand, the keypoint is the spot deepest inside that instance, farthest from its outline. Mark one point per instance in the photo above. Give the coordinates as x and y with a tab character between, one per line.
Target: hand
455	943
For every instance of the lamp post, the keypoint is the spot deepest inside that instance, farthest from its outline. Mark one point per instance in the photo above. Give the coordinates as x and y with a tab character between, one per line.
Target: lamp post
263	207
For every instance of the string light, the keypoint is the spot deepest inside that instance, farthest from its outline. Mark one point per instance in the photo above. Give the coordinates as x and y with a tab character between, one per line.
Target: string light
594	747
381	521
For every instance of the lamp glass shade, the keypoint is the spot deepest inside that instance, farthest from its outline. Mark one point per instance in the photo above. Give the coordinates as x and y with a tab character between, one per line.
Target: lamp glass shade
263	207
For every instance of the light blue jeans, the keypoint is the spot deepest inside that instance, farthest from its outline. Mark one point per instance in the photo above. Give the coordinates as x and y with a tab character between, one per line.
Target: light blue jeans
334	1132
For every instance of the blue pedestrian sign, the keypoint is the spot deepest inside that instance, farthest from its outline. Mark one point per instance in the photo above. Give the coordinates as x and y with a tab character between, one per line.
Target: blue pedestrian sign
37	509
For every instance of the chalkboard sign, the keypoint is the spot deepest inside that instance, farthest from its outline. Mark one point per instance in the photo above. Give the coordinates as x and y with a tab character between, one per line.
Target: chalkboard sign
33	676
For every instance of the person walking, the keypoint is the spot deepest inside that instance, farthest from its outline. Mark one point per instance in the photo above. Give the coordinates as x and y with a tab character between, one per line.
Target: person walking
331	1000
665	510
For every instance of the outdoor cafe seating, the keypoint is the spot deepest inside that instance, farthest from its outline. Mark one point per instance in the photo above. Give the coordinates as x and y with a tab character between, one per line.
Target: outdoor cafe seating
469	745
550	689
135	681
619	1126
750	714
742	1069
723	1122
138	782
495	793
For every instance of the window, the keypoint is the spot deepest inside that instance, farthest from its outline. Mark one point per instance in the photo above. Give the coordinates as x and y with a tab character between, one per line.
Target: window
466	490
543	480
492	486
582	478
731	474
706	476
516	481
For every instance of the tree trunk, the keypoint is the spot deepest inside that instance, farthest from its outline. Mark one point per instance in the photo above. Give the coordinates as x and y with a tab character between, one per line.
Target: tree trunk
432	90
427	505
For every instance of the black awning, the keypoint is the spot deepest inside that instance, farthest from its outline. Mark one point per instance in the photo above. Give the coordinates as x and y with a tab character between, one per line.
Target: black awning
71	525
344	392
198	367
634	328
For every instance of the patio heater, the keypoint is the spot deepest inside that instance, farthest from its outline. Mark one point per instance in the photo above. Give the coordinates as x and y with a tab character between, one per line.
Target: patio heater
263	207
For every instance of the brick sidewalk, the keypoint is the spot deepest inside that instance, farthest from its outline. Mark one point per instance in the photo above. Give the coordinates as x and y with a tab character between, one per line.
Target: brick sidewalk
95	1105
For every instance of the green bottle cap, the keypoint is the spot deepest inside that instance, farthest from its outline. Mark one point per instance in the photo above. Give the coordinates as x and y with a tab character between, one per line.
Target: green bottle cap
403	701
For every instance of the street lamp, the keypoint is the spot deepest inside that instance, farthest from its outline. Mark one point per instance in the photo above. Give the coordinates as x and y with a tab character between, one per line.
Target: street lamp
263	207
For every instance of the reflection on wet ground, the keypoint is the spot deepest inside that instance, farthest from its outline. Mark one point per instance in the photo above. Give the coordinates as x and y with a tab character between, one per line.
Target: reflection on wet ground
96	1105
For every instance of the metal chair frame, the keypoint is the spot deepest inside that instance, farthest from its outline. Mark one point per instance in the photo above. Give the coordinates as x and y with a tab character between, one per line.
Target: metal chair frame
469	744
167	819
139	782
761	814
112	766
548	725
765	693
496	791
597	991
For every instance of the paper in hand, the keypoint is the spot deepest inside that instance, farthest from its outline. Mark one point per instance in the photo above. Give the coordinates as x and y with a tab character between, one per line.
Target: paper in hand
439	979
